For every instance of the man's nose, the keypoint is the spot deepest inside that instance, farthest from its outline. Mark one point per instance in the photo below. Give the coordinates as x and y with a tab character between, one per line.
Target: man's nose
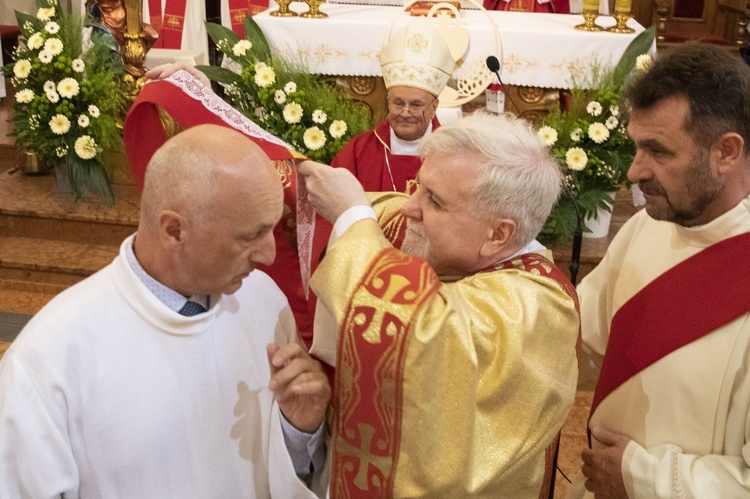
639	169
266	251
411	208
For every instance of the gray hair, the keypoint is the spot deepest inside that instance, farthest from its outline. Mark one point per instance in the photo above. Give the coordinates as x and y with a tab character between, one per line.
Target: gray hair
519	179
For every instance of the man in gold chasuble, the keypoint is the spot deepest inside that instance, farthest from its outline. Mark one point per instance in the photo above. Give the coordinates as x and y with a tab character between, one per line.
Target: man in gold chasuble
455	368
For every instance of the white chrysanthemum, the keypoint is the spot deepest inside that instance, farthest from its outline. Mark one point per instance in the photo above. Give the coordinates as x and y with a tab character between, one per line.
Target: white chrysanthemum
25	96
292	113
575	135
45	57
78	65
83	121
53	97
240	48
614	110
598	132
594	108
93	111
547	135
290	87
52	27
85	147
279	97
34	121
265	76
643	62
68	87
338	129
611	123
49	86
61	151
319	116
576	158
314	138
45	15
35	41
53	45
59	124
22	68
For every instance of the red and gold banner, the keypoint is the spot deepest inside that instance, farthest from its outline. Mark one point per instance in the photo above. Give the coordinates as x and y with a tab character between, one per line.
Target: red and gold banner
238	9
171	25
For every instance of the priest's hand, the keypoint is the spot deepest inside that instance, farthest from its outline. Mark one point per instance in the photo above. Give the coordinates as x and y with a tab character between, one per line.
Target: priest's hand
167	70
299	385
602	467
332	190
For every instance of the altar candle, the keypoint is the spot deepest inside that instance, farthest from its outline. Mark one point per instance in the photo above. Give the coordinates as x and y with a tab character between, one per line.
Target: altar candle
623	6
591	6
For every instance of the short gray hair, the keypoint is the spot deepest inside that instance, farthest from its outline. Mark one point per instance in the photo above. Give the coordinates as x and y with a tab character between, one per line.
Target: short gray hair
519	179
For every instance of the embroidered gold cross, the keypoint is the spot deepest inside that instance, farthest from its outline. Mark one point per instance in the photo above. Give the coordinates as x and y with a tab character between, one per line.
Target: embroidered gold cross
365	457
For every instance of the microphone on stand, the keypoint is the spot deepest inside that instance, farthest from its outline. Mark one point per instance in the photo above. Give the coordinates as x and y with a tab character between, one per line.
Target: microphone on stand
493	64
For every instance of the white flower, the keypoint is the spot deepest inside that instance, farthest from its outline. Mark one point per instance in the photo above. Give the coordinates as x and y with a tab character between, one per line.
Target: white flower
59	124
35	41
45	57
85	147
279	97
34	121
264	76
52	27
93	111
292	113
598	132
241	47
337	129
68	87
576	158
643	62
290	87
614	110
52	97
314	138
319	116
22	68
611	123
594	108
83	121
25	96
78	65
53	45
61	151
575	135
49	86
547	135
45	15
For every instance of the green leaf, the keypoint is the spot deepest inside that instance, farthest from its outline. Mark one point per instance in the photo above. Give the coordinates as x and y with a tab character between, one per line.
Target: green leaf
255	35
640	45
99	179
217	32
22	19
220	75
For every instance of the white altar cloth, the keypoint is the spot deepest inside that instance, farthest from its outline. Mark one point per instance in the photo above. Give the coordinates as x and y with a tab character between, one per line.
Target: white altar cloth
539	50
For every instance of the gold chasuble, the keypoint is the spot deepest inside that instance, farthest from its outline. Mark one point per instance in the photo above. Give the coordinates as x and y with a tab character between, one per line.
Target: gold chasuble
445	390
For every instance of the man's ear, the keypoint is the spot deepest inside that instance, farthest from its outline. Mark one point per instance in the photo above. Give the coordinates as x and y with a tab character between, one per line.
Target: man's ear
498	237
729	150
171	227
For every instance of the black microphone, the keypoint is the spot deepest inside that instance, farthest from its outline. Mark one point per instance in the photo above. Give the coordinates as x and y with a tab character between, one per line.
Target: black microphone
493	64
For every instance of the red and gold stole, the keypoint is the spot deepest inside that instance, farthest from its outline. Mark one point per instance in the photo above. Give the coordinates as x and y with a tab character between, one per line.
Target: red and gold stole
171	27
687	302
238	9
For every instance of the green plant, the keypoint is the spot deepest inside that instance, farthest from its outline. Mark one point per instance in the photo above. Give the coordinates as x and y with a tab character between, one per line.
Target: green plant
590	142
282	97
68	97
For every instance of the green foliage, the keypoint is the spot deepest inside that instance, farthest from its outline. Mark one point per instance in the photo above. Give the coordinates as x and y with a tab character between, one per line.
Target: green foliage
68	96
282	97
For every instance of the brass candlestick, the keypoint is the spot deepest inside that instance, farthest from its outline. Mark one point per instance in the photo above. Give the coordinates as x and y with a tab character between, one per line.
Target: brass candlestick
621	15
314	12
590	13
284	10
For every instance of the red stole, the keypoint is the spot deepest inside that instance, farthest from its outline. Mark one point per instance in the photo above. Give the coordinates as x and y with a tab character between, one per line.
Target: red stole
170	31
238	9
685	303
555	6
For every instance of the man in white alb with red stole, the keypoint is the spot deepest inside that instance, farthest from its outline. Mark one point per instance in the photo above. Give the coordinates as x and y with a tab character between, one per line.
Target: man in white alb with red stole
665	315
456	360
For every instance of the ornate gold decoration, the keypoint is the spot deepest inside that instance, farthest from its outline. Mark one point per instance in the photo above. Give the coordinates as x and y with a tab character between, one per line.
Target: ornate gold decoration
621	15
314	12
283	10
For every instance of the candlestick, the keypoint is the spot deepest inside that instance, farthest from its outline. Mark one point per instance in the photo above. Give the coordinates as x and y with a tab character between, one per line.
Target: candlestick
621	15
590	13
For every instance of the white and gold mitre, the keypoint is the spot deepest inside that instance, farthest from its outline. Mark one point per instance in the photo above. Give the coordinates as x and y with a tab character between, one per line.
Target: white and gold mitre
417	56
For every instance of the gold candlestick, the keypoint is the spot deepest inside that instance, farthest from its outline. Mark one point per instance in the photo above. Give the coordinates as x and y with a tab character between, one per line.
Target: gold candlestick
621	15
314	12
590	13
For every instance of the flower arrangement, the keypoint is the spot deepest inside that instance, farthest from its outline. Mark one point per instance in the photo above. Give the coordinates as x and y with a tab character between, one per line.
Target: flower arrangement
590	142
67	97
283	98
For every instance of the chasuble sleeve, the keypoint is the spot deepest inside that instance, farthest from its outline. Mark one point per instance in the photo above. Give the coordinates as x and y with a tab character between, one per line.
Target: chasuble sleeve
477	385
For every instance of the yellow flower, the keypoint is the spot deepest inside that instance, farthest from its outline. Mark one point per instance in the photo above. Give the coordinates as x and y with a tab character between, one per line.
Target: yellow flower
576	158
547	135
59	124
22	68
337	129
264	76
68	87
35	41
85	147
45	15
54	46
25	96
598	132
240	48
314	138
292	113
